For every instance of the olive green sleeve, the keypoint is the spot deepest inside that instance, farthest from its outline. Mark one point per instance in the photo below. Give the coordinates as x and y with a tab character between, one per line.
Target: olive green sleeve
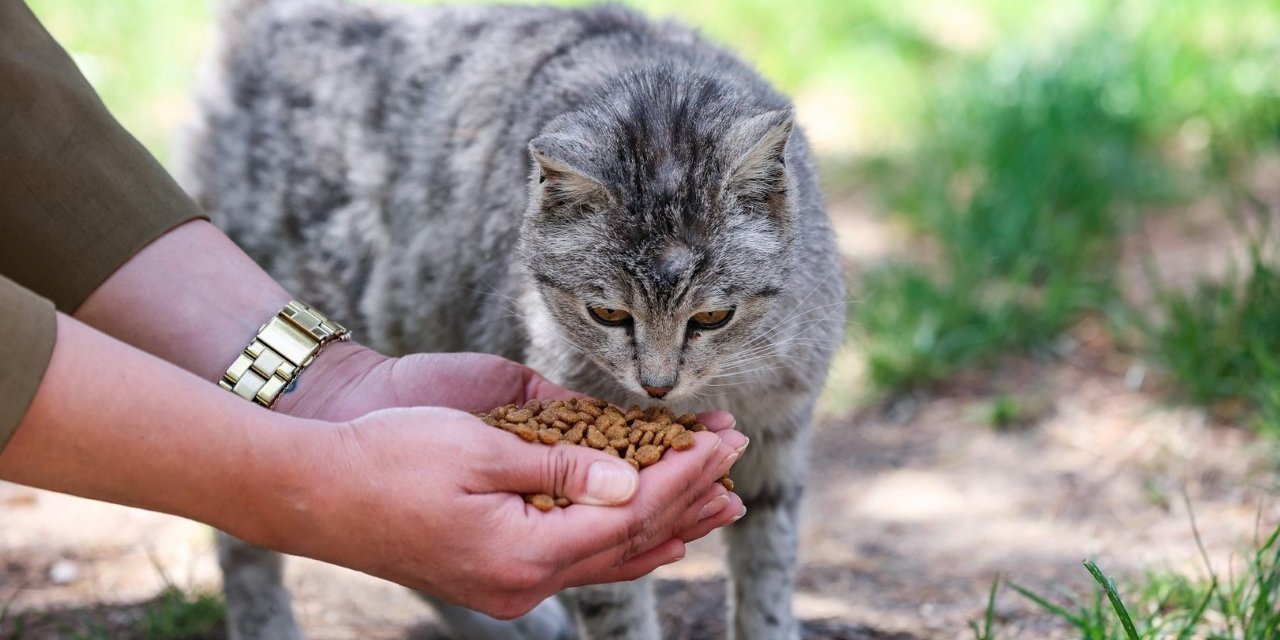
78	194
27	328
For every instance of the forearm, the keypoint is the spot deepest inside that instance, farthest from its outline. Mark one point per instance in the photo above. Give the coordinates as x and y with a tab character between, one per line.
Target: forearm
195	299
191	297
112	423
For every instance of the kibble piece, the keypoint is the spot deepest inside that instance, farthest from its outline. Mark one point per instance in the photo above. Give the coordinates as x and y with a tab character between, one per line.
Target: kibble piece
619	443
634	436
542	501
631	451
612	451
647	455
574	435
524	431
682	441
562	502
595	439
728	484
687	420
646	438
698	426
549	436
616	431
633	463
634	413
670	433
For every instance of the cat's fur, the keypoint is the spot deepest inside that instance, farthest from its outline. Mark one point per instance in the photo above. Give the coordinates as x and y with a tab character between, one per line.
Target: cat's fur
472	178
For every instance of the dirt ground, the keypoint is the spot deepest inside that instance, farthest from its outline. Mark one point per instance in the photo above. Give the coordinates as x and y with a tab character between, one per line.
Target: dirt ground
914	507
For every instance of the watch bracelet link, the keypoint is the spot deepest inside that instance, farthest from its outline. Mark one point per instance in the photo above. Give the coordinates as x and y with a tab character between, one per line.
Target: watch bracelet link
283	347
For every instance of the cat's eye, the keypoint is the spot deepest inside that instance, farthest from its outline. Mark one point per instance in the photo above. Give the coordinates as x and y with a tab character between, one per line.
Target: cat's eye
711	319
609	317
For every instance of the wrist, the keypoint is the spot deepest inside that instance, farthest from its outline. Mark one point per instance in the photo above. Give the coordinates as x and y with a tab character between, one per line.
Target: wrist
321	390
283	489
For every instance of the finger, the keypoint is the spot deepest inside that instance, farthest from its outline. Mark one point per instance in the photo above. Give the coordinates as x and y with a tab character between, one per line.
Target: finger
668	489
717	420
584	475
731	511
537	387
603	568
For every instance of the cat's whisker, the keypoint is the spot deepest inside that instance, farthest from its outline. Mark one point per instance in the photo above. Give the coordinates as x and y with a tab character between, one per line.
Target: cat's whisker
805	299
782	324
777	346
730	367
767	367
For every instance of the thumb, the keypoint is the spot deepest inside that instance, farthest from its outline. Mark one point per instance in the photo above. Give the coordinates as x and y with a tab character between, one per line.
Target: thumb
581	474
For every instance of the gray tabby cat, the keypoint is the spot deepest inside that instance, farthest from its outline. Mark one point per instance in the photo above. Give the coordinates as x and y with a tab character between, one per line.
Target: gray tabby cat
620	204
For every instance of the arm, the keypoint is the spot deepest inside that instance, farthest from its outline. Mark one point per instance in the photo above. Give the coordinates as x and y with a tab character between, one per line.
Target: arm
417	496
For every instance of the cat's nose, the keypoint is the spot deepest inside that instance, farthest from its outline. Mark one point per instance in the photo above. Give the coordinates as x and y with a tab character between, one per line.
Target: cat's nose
656	392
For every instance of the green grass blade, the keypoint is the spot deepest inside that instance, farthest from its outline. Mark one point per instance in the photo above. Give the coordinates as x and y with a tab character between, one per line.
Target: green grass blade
989	618
1056	610
1194	621
1114	596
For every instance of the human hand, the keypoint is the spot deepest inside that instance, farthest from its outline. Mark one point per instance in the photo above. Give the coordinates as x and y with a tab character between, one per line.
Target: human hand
349	380
428	498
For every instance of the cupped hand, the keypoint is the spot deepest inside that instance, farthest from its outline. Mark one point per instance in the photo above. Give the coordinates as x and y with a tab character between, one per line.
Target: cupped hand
429	498
348	380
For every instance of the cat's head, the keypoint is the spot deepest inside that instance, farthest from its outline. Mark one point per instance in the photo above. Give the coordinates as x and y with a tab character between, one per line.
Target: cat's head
660	231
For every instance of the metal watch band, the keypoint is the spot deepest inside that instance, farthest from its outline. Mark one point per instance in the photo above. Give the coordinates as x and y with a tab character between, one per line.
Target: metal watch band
283	347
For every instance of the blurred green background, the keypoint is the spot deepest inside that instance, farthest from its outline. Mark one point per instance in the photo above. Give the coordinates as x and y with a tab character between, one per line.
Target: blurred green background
1018	147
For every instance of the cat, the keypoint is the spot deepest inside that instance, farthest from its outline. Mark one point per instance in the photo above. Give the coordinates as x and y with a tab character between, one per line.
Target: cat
617	202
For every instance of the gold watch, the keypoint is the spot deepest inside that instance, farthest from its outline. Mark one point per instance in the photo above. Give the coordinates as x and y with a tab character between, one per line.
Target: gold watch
284	346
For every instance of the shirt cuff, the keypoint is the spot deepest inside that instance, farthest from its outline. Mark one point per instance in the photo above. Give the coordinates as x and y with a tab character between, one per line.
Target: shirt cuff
28	327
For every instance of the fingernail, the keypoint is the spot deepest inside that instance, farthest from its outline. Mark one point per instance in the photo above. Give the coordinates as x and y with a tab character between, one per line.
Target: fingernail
716	505
610	483
675	559
740	514
744	446
728	462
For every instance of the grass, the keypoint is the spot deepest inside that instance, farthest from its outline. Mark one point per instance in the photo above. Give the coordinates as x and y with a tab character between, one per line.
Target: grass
1035	160
174	614
1220	343
177	615
1025	181
1243	606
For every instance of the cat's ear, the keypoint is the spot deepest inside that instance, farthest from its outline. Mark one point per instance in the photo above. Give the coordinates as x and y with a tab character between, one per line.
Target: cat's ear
758	149
563	173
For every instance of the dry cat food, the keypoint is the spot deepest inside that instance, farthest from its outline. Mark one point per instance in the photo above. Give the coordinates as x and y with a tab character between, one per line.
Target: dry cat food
639	436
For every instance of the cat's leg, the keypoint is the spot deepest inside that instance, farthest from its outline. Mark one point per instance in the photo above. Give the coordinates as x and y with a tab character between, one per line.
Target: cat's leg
618	611
548	621
763	544
258	606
